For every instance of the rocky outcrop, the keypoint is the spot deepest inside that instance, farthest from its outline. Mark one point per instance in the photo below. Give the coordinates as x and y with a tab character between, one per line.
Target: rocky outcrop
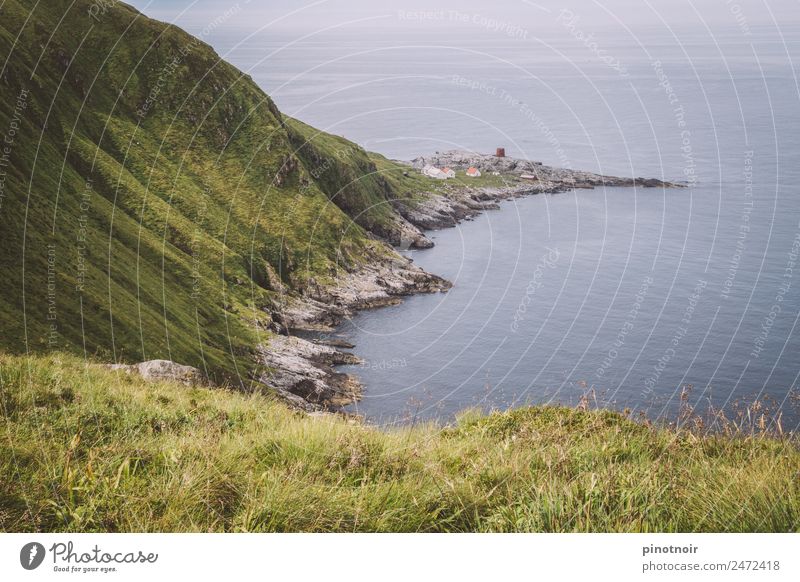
163	370
379	282
405	235
301	372
335	343
456	204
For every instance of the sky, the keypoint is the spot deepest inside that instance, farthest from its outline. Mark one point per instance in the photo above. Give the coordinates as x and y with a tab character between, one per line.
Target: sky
533	15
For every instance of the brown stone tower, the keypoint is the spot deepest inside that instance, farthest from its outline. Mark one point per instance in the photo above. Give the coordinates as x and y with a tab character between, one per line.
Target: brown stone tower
501	152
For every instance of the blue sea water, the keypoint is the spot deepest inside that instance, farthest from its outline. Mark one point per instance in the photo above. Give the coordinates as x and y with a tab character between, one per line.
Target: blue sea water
627	295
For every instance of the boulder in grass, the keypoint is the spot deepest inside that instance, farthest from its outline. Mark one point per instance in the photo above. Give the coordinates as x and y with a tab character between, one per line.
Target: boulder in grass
163	370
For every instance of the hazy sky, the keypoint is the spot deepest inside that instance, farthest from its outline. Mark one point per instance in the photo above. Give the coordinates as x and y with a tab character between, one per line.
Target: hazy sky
533	15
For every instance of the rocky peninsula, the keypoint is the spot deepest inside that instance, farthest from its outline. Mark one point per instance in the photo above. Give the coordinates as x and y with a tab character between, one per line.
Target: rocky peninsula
302	371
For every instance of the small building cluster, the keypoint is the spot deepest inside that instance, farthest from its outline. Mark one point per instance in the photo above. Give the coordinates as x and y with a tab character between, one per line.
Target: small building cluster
445	173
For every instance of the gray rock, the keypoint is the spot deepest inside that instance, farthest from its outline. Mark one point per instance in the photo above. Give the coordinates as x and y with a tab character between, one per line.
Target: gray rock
382	280
301	372
335	343
155	370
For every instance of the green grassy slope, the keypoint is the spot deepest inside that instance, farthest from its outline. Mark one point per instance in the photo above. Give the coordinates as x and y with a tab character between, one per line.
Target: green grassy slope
346	174
151	195
88	449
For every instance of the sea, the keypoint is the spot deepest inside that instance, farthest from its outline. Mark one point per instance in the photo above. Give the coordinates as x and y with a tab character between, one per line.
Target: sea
653	301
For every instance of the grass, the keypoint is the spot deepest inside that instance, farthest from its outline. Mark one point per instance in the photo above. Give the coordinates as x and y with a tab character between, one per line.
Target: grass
345	173
84	448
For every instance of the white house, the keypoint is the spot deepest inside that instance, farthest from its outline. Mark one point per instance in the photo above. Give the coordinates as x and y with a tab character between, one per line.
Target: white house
434	172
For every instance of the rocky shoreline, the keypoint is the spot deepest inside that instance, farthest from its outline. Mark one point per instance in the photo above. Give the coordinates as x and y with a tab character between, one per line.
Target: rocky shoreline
302	371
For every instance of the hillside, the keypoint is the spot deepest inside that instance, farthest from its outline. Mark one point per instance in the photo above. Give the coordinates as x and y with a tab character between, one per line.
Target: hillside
154	204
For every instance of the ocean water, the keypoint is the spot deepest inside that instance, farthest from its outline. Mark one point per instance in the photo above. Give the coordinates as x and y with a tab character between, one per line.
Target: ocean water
627	296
